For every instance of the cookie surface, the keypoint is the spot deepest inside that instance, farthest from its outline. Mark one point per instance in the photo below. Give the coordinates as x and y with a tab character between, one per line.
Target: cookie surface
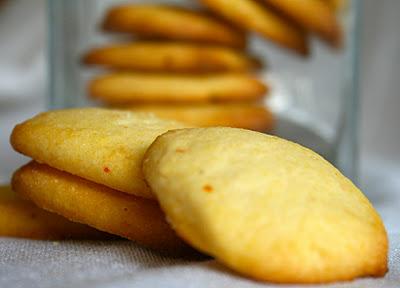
170	57
313	15
253	16
148	88
108	210
170	22
266	207
241	115
22	219
104	146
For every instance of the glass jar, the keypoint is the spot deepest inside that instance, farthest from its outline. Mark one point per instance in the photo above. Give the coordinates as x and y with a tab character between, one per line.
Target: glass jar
314	99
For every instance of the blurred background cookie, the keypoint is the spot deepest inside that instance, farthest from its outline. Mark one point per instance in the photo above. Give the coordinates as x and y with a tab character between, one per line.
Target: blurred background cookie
246	115
171	57
166	88
171	22
313	15
251	15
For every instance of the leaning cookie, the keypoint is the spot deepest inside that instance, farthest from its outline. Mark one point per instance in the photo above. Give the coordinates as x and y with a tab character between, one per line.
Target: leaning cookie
170	22
253	16
240	115
21	219
338	5
108	210
266	207
313	15
104	146
124	88
171	57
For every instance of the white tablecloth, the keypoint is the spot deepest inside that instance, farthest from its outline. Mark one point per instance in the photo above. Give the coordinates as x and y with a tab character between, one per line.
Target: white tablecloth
28	263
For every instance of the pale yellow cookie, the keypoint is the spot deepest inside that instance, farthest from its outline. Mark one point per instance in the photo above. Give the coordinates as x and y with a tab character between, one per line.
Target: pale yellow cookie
241	115
313	15
104	146
171	22
124	88
22	219
266	207
98	206
253	16
171	57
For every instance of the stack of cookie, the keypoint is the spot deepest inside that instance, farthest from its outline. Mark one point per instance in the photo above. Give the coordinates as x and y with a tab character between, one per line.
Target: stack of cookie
186	65
267	208
89	171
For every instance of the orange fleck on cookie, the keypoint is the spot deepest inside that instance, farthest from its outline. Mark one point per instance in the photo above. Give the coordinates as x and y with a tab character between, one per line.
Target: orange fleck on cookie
266	207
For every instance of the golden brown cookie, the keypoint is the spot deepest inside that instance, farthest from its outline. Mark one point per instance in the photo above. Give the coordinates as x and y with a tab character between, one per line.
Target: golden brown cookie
337	5
170	22
266	207
253	16
20	218
171	57
96	205
241	115
104	146
124	88
312	15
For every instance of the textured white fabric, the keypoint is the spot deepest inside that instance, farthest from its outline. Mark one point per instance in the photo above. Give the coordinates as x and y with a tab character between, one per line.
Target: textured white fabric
115	264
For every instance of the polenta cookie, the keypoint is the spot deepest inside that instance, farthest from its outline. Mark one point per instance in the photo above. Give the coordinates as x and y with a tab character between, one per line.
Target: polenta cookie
240	115
108	210
170	22
100	145
266	207
22	219
171	57
251	15
125	88
313	15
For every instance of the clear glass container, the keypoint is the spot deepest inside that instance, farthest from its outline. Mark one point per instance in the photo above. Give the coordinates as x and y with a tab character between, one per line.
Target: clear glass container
315	99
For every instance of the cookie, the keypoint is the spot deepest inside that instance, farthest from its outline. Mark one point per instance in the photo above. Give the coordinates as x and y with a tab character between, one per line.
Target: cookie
98	206
169	22
21	219
253	16
241	115
171	57
313	15
104	146
338	5
266	207
124	88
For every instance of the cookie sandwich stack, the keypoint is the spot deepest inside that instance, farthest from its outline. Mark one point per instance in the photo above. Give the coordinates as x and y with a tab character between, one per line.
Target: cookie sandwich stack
86	167
185	65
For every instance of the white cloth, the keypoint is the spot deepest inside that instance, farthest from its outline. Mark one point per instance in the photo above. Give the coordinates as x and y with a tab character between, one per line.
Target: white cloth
123	264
